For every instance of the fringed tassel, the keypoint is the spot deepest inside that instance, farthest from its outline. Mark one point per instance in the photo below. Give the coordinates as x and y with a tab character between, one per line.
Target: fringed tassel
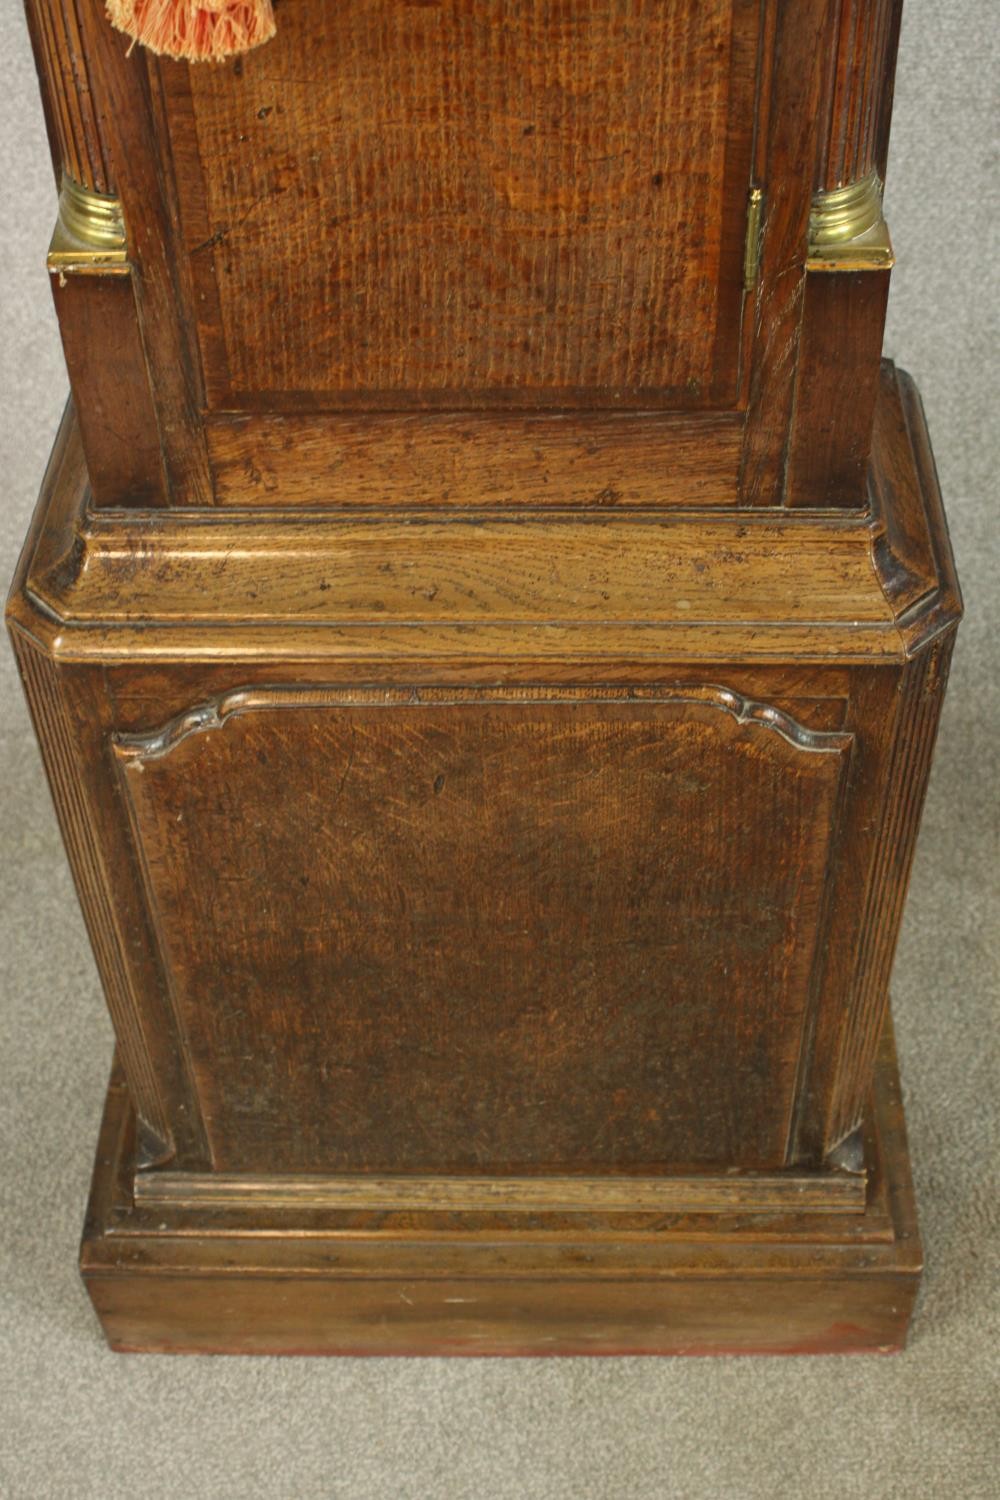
194	30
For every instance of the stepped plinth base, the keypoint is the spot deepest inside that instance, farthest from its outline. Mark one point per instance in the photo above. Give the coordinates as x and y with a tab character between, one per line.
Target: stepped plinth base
260	1278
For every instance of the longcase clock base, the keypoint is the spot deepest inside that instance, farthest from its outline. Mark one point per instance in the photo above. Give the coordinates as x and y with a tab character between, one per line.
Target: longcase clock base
254	1279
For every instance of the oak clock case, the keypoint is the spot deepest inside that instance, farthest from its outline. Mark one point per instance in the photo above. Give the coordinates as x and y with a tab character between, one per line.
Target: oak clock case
486	622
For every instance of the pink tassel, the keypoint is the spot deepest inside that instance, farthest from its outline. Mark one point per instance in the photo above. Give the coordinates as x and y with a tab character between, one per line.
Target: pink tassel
194	30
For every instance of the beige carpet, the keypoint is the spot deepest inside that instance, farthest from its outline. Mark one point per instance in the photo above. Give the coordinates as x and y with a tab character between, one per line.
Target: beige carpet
78	1422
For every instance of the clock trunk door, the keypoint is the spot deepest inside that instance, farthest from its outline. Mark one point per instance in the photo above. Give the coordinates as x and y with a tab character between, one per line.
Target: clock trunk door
508	203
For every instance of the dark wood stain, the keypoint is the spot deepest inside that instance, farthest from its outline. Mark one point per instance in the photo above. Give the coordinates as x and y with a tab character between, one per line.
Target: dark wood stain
487	662
441	209
446	976
796	1283
513	199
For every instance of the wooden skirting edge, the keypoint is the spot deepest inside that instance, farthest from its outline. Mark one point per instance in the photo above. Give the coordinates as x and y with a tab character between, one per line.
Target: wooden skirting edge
249	1281
828	1192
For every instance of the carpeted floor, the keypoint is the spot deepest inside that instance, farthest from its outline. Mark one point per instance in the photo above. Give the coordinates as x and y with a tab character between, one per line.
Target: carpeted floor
78	1422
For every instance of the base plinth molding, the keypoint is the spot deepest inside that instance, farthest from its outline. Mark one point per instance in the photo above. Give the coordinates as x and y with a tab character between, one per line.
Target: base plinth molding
296	1280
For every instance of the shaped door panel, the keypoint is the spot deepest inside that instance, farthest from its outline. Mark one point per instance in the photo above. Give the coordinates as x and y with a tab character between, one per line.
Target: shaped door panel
488	930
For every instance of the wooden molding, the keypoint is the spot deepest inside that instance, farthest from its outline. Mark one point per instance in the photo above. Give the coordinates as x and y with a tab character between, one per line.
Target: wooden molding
919	710
214	714
702	586
861	64
60	748
72	111
350	587
295	1280
745	1192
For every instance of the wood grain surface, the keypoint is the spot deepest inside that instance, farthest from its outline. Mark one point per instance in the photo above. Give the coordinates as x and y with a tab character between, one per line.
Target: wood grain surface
519	594
473	202
481	210
585	461
147	621
72	111
673	1192
861	62
173	1280
487	660
445	973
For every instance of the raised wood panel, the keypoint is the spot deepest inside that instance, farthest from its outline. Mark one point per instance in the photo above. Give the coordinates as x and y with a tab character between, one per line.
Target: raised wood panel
501	930
538	203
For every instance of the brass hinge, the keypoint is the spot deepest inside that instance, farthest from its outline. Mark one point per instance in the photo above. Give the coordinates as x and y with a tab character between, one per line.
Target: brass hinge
751	250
